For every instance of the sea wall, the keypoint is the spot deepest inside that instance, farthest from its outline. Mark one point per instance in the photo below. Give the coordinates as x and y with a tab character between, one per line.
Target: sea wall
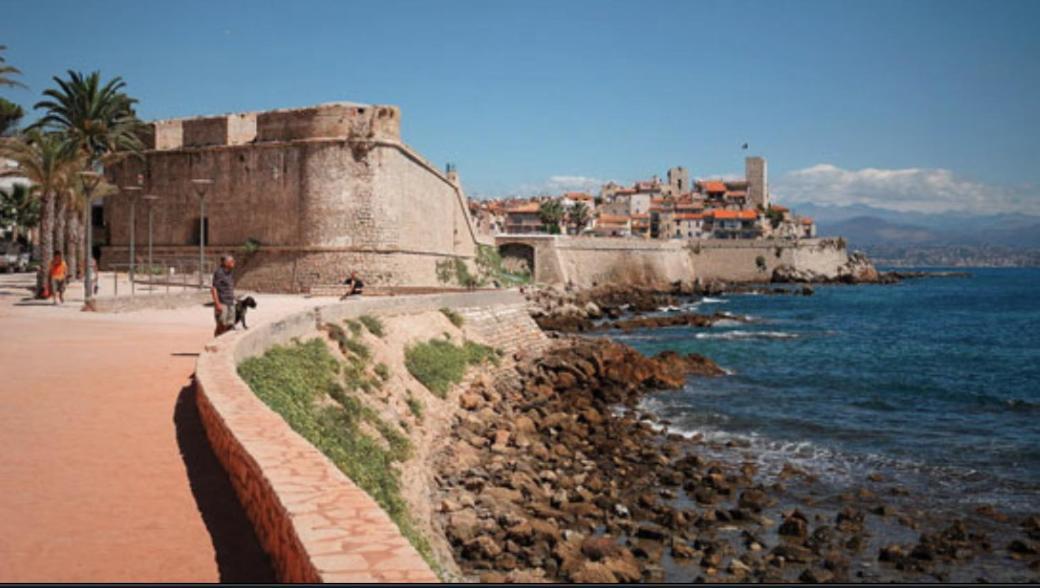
313	521
590	261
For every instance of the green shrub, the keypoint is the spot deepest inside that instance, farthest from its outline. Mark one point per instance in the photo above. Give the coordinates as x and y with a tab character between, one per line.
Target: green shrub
760	263
416	406
455	318
383	371
477	353
291	380
354	326
373	324
439	365
347	345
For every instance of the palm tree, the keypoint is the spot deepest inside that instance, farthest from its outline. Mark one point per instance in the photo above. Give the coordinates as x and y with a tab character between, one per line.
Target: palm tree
98	120
19	209
580	217
10	114
551	213
46	160
7	70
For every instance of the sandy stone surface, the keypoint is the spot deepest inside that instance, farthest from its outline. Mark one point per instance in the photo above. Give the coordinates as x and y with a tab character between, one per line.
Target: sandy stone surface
105	475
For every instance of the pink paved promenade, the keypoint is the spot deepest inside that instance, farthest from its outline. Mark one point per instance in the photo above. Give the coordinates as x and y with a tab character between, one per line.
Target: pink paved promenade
106	475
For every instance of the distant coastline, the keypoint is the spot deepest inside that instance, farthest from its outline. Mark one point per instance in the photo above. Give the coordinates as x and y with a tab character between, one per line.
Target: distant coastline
946	256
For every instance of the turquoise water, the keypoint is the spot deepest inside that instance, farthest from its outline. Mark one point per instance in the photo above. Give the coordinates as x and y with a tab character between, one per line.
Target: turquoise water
933	382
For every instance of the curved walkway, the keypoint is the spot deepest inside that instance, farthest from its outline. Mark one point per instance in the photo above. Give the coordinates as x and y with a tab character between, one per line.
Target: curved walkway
106	474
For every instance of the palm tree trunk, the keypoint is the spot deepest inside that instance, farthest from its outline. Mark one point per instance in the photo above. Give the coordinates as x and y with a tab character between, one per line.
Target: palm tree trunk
61	204
46	241
74	245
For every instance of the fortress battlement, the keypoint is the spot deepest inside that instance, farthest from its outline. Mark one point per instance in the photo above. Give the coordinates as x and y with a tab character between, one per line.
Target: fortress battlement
332	121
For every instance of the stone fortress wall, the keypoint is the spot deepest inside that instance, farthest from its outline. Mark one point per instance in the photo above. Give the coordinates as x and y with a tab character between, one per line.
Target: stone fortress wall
587	261
324	189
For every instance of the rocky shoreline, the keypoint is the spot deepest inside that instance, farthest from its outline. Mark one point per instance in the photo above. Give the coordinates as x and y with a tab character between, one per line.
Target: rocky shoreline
551	472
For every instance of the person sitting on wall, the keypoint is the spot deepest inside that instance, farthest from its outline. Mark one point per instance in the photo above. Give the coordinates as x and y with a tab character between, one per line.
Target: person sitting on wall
354	284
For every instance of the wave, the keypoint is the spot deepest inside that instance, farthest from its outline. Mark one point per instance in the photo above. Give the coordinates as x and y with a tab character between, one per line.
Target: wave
708	300
738	334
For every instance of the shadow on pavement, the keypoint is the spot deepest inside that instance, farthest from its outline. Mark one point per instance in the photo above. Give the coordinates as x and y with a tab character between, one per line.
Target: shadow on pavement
239	555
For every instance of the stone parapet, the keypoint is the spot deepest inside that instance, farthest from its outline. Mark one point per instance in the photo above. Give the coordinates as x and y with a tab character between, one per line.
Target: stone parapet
313	521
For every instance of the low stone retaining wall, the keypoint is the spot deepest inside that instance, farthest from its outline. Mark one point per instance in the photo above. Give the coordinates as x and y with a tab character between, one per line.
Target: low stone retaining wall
144	301
313	521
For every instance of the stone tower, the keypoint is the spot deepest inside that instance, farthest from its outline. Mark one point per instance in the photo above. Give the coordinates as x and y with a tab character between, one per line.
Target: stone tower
679	180
758	187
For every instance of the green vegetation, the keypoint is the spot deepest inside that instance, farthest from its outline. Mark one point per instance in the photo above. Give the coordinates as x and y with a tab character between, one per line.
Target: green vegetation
348	345
455	270
775	217
551	213
373	324
354	326
416	406
491	270
439	365
579	217
383	371
295	381
455	318
251	246
760	263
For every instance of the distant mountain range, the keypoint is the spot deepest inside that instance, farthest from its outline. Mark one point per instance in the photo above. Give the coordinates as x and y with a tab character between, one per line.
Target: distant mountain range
865	227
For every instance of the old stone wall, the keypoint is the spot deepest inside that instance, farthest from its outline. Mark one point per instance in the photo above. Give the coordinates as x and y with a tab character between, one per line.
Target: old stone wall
588	261
320	201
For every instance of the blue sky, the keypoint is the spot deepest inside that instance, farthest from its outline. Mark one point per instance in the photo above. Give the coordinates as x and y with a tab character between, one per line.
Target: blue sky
914	104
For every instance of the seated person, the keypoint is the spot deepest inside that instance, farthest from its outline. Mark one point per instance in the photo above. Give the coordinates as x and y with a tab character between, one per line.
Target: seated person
355	284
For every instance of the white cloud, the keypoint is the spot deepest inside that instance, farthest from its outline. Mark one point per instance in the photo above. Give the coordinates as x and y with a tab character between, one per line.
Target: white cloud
903	190
559	184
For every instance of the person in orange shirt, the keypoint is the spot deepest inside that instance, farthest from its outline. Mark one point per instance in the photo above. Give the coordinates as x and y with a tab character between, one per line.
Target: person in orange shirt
59	271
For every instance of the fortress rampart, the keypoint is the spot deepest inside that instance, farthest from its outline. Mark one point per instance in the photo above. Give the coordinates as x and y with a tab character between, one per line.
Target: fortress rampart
323	190
587	261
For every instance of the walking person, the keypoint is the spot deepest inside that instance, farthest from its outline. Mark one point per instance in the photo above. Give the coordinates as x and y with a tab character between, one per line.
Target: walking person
58	273
223	292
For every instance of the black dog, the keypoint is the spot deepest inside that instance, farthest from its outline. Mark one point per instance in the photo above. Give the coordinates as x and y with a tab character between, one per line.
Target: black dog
241	305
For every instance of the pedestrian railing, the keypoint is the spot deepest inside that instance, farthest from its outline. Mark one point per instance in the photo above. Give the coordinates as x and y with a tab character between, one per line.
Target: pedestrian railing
166	277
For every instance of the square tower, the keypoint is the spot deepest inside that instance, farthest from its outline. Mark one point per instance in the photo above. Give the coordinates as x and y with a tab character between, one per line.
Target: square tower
679	180
758	187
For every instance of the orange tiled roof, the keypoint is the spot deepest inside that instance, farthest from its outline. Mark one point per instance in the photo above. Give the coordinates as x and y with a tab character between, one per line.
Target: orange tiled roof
577	196
779	208
523	208
807	221
625	191
735	214
688	216
714	186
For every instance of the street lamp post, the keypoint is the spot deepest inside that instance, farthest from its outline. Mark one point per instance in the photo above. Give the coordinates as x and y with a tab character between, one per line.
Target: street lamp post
201	185
131	192
150	199
90	179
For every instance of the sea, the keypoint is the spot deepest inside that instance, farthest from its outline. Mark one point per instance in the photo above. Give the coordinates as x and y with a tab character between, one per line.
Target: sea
932	383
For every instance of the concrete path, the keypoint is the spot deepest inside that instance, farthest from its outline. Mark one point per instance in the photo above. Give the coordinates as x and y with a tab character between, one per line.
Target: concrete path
106	475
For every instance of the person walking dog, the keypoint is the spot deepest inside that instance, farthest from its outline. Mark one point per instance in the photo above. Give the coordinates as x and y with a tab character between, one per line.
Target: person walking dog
223	292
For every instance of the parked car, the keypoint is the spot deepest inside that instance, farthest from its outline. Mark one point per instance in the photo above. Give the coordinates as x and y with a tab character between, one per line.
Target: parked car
14	260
